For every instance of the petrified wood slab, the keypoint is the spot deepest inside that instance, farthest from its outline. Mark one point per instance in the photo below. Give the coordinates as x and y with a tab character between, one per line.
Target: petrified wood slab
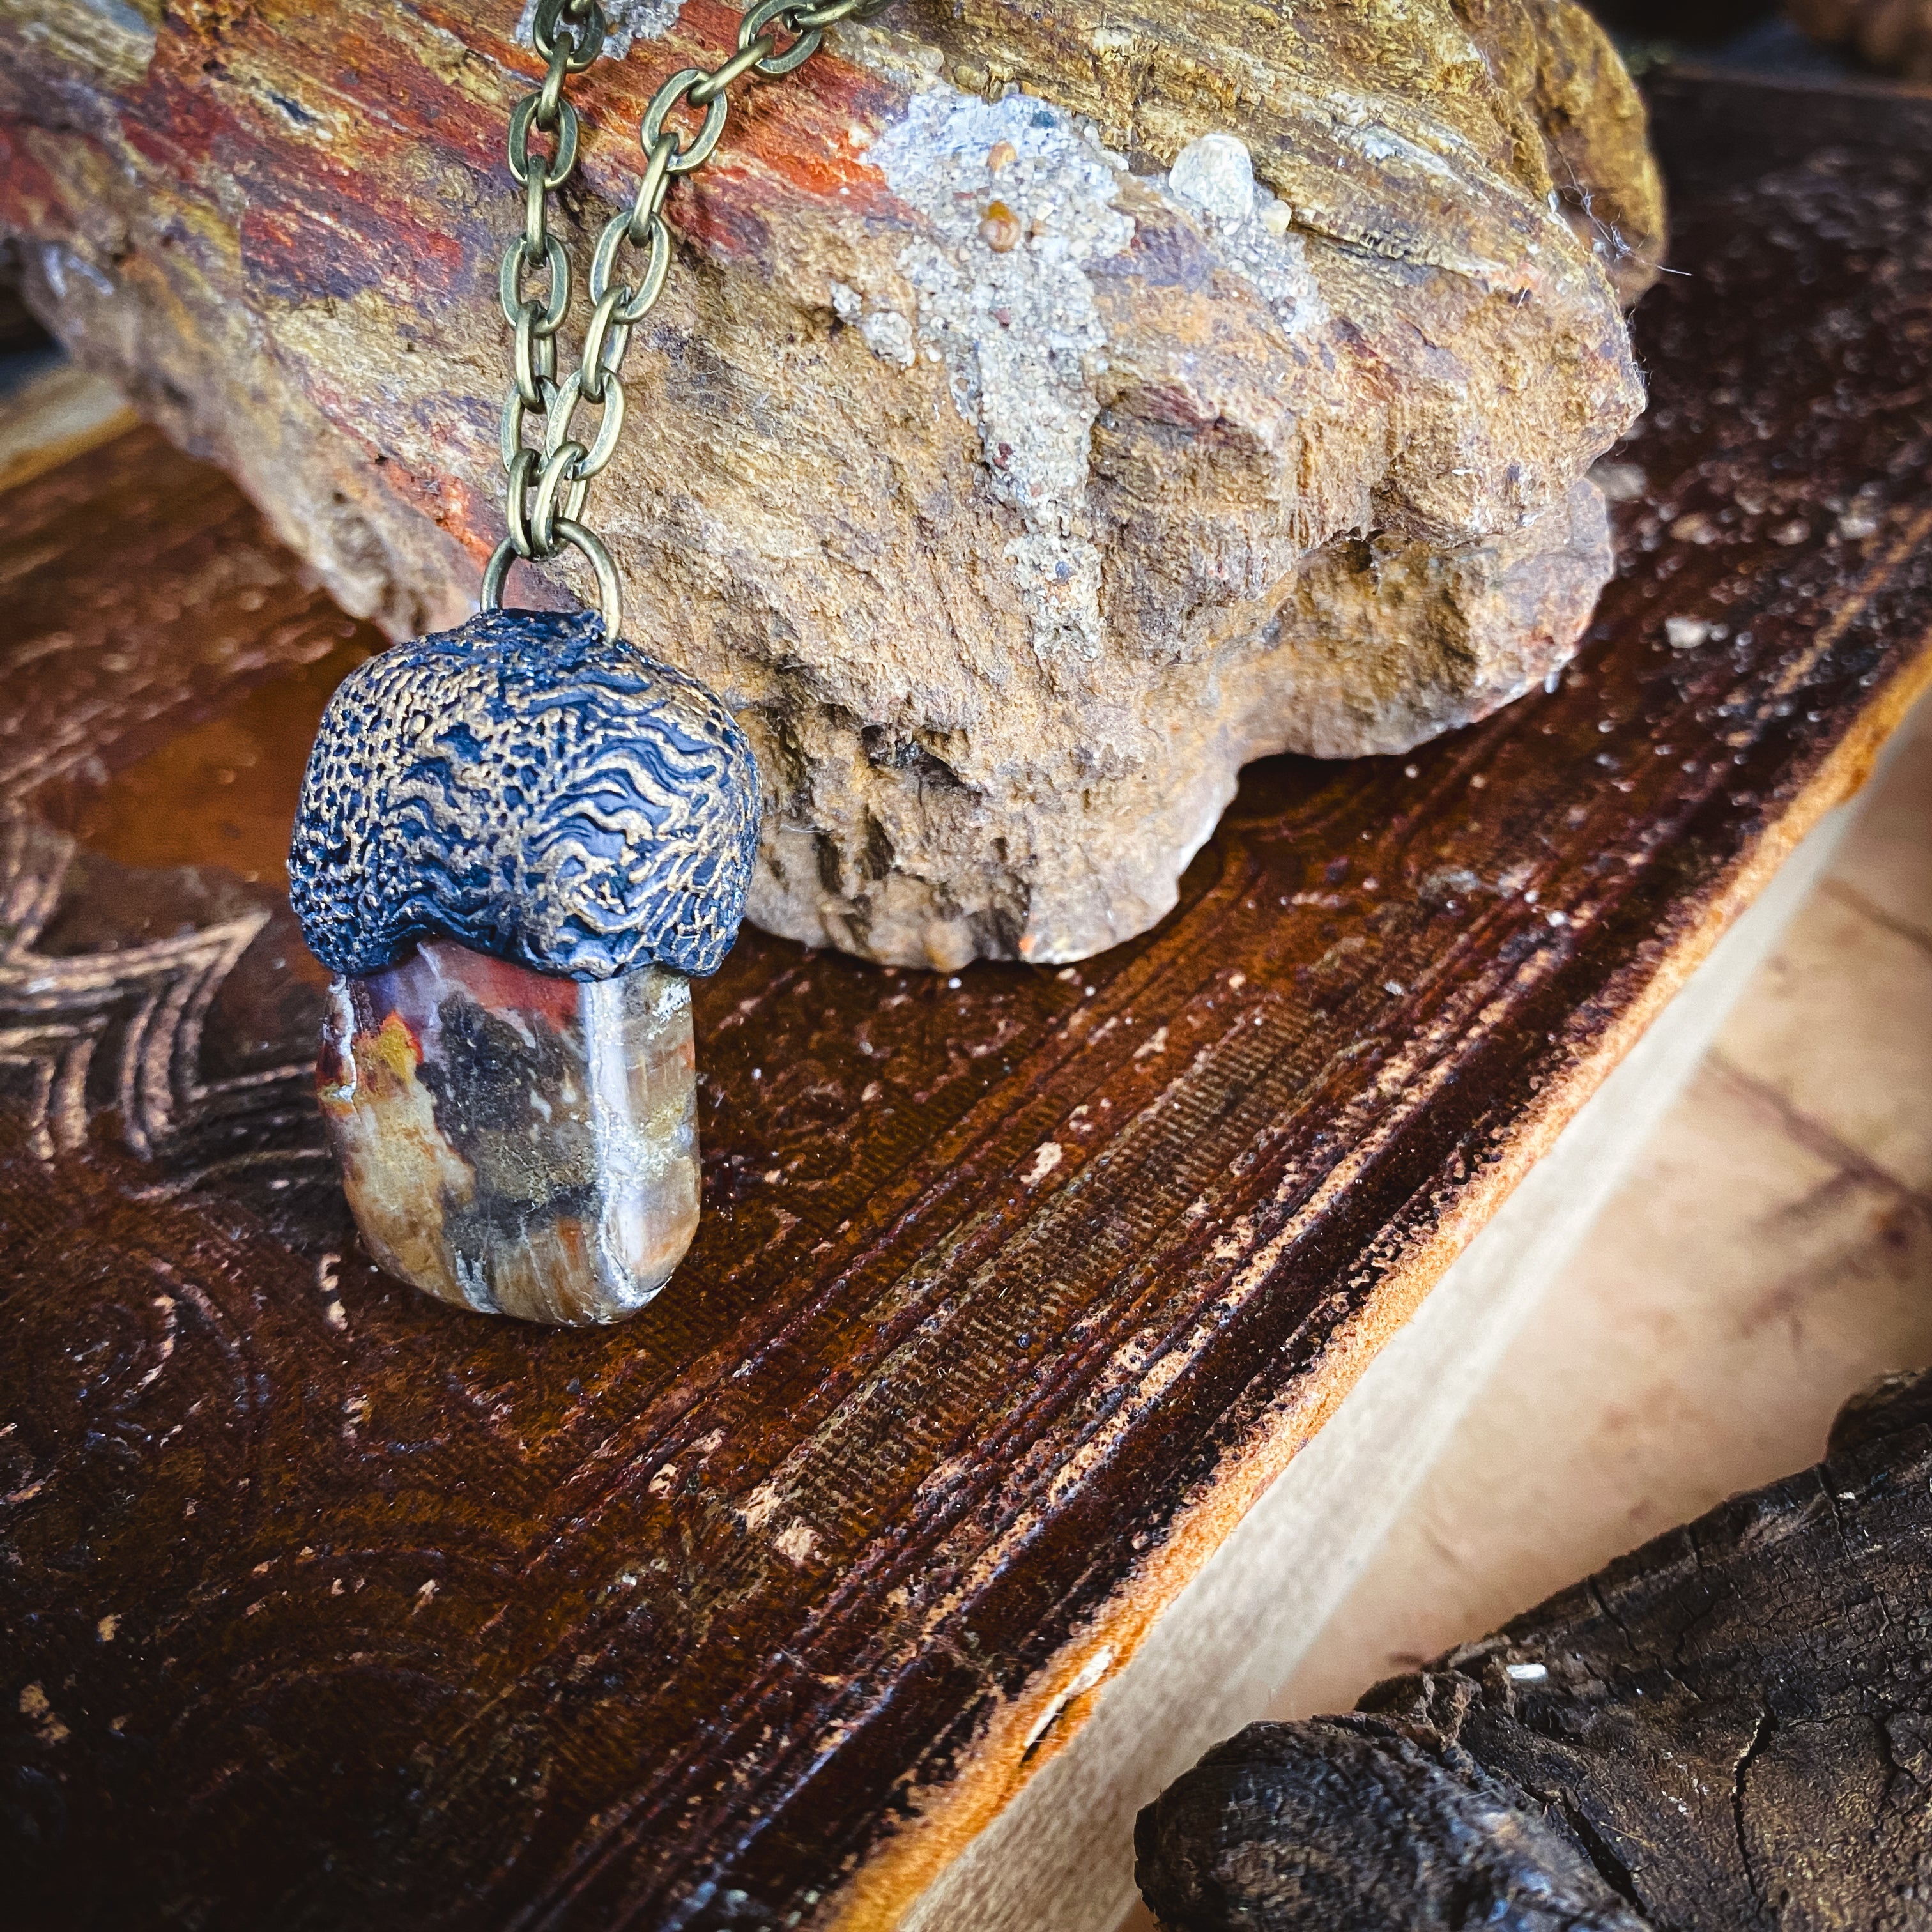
1728	1727
1006	559
324	1605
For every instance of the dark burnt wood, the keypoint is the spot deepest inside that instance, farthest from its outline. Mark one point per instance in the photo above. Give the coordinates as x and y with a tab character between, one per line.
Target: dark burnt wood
1732	1727
327	1606
1719	129
1697	21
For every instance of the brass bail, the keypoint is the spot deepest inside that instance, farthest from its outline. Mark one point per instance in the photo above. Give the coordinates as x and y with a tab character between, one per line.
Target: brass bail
589	545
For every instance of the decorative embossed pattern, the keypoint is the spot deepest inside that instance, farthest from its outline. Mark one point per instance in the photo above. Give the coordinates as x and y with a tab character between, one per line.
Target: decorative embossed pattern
532	789
326	1606
167	1008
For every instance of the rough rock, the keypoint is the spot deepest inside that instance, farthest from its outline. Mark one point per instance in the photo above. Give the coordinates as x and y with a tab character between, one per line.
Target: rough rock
1270	433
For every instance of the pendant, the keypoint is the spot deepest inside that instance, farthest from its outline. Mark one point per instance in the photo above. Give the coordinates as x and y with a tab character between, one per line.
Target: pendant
518	842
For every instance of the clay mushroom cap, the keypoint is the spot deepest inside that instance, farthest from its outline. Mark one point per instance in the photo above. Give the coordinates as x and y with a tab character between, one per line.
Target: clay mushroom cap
529	787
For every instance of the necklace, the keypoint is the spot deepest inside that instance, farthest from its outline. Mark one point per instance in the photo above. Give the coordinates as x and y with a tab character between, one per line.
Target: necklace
518	841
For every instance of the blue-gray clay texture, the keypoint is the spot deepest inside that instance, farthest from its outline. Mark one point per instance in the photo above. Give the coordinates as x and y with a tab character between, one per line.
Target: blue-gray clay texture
530	788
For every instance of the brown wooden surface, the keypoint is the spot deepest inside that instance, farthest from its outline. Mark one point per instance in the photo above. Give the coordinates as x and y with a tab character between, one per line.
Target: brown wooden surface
327	1606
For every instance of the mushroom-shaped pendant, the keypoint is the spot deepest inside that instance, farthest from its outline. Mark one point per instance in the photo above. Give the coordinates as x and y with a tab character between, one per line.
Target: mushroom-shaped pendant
516	841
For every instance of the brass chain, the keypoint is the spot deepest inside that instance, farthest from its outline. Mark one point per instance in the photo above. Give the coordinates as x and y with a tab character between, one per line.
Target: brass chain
549	480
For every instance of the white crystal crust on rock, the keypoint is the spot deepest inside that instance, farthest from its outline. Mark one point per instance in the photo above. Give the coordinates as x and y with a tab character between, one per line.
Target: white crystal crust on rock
1215	173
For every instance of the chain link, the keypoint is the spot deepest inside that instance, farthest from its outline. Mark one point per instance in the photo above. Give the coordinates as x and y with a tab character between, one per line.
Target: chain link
549	481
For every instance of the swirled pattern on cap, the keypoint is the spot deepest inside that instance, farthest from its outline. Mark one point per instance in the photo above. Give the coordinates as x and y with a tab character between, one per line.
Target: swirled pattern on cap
530	788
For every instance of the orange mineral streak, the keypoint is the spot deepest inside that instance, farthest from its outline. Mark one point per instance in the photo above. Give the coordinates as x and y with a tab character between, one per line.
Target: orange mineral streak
794	132
348	164
29	194
502	986
387	1059
399	1171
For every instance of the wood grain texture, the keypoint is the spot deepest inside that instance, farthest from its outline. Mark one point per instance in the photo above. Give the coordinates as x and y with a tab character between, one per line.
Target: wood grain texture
1060	1857
326	1606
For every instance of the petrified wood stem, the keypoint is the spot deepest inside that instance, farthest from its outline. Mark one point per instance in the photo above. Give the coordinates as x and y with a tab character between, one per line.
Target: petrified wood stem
1730	1728
1259	423
515	1143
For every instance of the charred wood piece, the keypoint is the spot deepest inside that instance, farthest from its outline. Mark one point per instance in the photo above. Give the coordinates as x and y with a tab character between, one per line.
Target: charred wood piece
1731	1727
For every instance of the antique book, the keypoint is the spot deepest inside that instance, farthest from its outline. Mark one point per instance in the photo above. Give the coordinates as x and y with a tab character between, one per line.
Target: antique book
1016	1289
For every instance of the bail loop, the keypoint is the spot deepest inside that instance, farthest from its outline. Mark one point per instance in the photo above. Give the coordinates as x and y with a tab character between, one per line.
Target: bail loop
589	545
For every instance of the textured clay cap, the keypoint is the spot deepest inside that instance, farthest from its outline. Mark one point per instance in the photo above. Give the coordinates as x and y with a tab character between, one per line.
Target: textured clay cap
531	788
